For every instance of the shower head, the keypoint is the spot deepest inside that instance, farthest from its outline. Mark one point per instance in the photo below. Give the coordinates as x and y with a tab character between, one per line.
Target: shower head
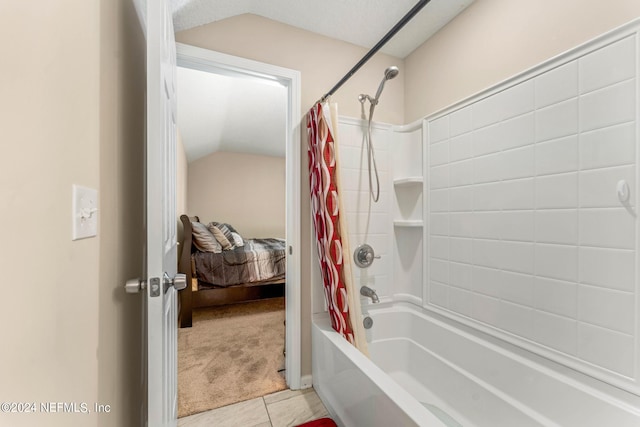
389	74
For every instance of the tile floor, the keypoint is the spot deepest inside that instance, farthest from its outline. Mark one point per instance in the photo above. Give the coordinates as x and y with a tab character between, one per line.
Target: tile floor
282	409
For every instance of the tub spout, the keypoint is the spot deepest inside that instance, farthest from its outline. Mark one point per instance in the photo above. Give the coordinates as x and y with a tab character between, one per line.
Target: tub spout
371	293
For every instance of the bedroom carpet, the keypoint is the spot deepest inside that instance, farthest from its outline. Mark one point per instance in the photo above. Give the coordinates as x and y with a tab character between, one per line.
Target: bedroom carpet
231	353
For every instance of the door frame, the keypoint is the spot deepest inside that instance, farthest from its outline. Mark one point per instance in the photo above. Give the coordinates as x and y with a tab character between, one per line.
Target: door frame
219	63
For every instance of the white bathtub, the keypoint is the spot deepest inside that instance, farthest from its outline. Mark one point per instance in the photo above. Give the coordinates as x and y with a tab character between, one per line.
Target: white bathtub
428	371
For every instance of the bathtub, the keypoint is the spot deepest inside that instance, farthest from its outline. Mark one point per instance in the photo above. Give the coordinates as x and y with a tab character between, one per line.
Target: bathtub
426	370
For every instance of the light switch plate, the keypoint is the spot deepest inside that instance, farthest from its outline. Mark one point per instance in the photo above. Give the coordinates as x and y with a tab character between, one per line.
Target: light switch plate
85	212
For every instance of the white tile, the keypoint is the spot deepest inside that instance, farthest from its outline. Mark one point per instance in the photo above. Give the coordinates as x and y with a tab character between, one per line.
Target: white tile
611	146
517	288
518	99
606	348
516	319
296	410
461	250
610	268
518	163
439	270
487	168
556	332
607	308
461	224
487	111
439	200
439	247
461	275
608	65
556	262
557	120
557	191
517	132
598	188
461	147
439	224
286	394
609	106
556	296
487	197
487	253
557	226
517	194
487	225
249	413
460	121
461	301
557	85
517	256
487	281
486	309
461	199
439	153
487	140
609	228
439	294
557	156
517	225
439	177
461	173
438	129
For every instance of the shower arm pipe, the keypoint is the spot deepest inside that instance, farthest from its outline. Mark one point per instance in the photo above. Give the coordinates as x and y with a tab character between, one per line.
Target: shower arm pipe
392	32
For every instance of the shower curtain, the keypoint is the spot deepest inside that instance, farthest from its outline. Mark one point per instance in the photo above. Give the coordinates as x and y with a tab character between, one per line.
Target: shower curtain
330	226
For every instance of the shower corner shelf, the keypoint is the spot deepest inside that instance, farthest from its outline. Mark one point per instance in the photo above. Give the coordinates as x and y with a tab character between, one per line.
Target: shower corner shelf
409	181
407	223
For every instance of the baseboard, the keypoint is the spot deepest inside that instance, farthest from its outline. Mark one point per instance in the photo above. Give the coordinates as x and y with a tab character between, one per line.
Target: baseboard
306	381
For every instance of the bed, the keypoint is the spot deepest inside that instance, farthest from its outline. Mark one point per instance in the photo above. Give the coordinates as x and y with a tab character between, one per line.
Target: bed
224	268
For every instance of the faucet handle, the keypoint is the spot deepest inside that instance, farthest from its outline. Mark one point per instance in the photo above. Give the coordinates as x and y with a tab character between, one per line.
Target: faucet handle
364	255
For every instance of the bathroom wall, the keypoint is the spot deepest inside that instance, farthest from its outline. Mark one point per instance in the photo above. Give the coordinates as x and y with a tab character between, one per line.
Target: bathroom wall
493	40
527	233
368	222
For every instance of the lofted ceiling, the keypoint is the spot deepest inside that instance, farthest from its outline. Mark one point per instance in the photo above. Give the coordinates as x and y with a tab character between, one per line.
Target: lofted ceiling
213	109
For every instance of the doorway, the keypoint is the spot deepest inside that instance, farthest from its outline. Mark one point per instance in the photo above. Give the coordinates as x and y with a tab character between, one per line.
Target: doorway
194	58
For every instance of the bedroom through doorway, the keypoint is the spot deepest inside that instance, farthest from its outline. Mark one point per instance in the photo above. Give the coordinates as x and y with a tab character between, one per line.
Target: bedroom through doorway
237	187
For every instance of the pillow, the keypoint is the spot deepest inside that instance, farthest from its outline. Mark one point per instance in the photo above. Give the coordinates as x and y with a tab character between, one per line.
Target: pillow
203	239
237	239
221	236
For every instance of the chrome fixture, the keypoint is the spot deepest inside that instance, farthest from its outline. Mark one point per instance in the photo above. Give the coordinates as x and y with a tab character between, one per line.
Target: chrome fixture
367	322
371	293
363	256
389	74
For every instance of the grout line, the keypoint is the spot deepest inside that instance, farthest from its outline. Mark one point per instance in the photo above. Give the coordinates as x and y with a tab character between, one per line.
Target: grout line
266	408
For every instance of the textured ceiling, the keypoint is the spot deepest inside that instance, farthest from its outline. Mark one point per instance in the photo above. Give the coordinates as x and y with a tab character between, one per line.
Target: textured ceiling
361	22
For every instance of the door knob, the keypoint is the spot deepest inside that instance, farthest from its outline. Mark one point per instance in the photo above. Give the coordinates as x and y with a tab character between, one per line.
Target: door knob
180	281
133	286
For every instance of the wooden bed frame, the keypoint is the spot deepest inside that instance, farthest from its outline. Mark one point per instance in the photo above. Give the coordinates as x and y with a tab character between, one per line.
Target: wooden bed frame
190	299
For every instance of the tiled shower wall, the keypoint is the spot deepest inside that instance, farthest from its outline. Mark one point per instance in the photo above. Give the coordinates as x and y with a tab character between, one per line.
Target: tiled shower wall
527	234
368	222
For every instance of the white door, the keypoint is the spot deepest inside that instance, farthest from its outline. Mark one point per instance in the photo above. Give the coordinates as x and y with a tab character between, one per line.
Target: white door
162	306
161	280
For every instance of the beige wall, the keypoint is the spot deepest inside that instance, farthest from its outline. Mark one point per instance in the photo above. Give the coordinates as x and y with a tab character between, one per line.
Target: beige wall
50	85
122	133
495	39
182	187
244	190
322	61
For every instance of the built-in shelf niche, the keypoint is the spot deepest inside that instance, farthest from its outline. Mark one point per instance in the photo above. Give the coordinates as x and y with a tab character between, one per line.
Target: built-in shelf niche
410	181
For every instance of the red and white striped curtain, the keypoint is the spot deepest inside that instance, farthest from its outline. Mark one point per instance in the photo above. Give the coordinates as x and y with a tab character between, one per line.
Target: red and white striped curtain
330	227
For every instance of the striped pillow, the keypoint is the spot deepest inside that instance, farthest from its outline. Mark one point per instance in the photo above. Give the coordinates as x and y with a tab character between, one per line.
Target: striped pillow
203	239
222	235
